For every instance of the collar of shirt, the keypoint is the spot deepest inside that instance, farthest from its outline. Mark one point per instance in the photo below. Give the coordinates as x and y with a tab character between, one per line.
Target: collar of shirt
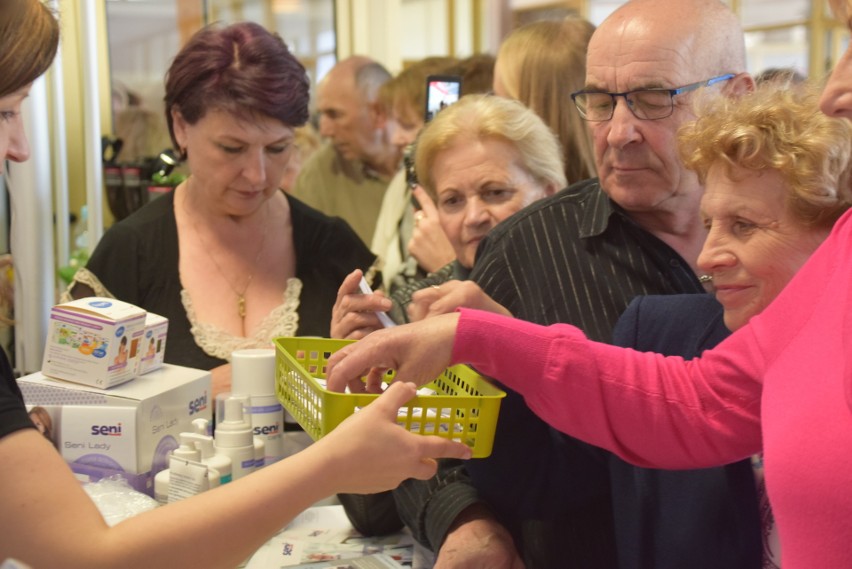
599	208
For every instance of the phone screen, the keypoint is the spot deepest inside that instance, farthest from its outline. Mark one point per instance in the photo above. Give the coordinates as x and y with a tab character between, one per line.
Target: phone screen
441	91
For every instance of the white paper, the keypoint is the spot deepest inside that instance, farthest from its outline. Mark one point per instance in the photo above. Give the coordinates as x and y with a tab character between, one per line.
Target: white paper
322	537
383	317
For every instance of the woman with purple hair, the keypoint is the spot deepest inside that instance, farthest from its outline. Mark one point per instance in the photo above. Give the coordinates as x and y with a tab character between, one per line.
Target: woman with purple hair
48	520
229	258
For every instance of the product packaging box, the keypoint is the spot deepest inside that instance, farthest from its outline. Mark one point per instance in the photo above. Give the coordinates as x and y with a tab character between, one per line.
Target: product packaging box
94	341
128	429
153	348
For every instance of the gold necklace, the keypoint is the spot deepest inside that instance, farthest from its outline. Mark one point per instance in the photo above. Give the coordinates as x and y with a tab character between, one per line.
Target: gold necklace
241	296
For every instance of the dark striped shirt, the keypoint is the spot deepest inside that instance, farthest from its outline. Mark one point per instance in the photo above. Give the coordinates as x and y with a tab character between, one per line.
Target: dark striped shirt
574	258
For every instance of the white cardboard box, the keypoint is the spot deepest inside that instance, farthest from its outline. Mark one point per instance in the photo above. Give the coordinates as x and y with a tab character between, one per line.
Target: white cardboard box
153	348
93	341
128	429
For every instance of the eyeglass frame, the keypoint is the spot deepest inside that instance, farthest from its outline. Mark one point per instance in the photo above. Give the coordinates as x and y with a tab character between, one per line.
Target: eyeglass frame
672	92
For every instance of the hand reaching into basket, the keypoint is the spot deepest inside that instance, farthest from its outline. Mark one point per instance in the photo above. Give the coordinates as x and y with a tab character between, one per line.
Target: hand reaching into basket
419	352
371	453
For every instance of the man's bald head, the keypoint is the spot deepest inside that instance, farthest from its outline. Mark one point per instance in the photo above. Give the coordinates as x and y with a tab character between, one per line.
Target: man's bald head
704	35
358	73
349	113
659	44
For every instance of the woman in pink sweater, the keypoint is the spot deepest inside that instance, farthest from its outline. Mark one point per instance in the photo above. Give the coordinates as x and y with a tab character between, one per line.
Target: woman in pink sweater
785	371
779	384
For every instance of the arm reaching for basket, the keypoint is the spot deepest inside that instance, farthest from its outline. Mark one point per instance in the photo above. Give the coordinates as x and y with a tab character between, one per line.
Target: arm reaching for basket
218	528
649	409
418	352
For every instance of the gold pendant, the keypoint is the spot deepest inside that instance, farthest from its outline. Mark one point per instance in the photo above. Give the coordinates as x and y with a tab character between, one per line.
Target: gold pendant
241	306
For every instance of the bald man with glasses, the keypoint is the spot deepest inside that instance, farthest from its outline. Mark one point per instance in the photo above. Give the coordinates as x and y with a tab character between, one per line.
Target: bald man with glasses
545	500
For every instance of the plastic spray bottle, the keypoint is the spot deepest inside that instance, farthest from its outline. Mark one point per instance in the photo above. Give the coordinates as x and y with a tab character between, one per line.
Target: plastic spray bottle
253	374
186	451
233	437
221	462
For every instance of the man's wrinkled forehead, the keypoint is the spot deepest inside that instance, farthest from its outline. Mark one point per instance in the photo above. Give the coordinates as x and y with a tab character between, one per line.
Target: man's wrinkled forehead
337	93
636	65
632	50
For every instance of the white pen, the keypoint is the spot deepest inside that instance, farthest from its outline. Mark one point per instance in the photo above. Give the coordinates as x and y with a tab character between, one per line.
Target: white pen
383	317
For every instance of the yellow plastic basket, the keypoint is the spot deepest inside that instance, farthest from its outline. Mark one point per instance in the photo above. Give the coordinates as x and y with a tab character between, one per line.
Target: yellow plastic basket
465	407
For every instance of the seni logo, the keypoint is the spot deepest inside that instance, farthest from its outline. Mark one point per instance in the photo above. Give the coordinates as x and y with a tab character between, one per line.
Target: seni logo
100	304
197	405
272	429
106	430
119	332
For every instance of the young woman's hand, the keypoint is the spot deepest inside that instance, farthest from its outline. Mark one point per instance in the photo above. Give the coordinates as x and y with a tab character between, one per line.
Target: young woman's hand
376	454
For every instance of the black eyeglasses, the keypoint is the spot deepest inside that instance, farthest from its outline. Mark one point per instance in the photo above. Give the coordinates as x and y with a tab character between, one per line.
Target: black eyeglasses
645	104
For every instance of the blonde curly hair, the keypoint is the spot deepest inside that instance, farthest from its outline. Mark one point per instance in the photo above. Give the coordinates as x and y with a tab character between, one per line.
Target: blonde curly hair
781	129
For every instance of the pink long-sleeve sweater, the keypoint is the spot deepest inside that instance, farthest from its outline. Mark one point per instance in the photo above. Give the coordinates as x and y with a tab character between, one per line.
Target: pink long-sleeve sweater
782	383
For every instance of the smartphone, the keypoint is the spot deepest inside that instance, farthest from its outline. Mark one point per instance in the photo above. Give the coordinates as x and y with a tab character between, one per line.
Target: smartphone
408	164
441	91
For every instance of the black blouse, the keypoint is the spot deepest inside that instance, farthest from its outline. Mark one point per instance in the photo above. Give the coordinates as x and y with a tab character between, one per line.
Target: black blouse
137	262
13	415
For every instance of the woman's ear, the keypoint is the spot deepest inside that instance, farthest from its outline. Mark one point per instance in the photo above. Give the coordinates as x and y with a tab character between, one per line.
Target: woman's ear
179	125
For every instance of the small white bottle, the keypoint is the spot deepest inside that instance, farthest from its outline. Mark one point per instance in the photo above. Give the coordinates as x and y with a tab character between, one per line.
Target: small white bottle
187	451
253	374
221	462
202	427
233	438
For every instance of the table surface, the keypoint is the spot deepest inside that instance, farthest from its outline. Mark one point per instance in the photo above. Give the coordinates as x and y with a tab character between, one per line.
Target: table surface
322	537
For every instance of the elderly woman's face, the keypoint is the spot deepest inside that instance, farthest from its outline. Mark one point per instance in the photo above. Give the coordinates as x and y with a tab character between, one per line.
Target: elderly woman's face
755	244
836	100
238	164
479	183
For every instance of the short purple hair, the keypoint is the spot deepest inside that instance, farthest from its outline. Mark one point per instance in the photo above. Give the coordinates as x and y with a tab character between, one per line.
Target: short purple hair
243	69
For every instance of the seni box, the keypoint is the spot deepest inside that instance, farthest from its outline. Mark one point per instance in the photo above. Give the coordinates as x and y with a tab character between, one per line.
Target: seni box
128	429
153	347
94	341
